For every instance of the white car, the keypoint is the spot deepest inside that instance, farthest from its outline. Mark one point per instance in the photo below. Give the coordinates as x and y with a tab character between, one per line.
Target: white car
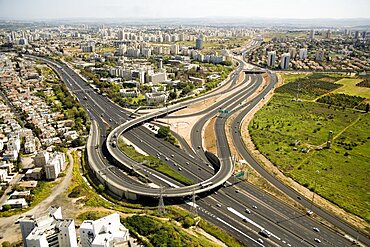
316	229
317	240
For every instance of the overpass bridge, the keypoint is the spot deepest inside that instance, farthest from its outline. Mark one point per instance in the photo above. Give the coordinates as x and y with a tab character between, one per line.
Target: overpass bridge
132	191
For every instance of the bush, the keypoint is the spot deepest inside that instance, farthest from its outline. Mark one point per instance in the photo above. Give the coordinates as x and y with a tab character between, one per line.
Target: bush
6	207
188	222
6	244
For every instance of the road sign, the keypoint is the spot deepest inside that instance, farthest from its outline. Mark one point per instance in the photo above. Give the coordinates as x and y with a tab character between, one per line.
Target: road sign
240	174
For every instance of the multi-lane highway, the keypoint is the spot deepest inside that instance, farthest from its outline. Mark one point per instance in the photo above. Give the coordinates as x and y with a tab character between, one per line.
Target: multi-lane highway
227	208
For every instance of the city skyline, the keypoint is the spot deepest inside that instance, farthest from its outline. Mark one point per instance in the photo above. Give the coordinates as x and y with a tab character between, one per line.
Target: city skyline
114	9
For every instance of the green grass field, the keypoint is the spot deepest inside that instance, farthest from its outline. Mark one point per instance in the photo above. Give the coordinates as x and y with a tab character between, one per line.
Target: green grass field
349	87
282	128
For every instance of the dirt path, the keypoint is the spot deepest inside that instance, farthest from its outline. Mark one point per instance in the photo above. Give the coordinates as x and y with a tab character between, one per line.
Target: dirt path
11	231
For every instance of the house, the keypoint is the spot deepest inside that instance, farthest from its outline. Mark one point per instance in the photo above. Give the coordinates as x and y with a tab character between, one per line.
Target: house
16	203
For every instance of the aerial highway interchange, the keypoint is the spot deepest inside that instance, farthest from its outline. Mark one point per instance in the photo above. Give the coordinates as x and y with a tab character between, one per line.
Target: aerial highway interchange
253	216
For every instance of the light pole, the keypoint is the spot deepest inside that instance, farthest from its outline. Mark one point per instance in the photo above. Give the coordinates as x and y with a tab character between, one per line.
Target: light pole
314	188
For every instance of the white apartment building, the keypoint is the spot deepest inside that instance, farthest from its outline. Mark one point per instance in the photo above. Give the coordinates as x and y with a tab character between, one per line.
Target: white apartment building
302	53
156	98
104	232
284	64
157	77
133	52
271	58
52	164
49	230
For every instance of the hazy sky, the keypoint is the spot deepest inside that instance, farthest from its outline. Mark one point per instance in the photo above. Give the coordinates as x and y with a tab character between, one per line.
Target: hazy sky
56	9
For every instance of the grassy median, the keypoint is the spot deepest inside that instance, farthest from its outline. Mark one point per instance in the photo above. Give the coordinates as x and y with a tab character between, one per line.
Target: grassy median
153	163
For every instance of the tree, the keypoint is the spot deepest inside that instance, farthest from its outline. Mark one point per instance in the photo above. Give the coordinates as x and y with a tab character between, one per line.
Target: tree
6	244
78	142
6	207
163	132
367	108
101	188
188	222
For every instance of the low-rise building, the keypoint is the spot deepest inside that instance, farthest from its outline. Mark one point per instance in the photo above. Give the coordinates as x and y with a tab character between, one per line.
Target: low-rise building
104	232
16	203
156	98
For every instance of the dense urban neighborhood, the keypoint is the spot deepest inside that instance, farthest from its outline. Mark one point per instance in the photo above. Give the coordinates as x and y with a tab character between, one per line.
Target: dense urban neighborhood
183	132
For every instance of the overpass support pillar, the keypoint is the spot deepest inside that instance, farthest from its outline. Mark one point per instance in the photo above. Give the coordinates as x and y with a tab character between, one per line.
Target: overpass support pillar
130	196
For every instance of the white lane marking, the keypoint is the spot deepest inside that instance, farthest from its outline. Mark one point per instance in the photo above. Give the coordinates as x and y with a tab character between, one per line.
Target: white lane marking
225	223
250	221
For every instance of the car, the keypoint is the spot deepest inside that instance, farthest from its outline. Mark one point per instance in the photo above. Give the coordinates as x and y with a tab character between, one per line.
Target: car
254	206
187	163
260	241
247	211
166	158
172	155
265	233
309	212
110	120
218	205
198	147
237	191
299	198
316	229
180	169
317	240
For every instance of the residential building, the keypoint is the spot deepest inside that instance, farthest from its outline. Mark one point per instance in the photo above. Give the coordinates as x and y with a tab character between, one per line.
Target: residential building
157	77
121	35
16	203
284	64
199	43
156	98
320	55
48	230
312	34
104	232
292	52
174	49
271	58
302	53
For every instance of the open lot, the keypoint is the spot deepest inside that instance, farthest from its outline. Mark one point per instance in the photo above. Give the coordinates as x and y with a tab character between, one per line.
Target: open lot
349	87
293	136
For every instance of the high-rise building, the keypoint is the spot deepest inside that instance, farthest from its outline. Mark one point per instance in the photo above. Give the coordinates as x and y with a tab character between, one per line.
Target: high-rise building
302	53
121	35
199	43
285	61
292	52
364	35
312	34
174	49
357	34
48	230
320	55
271	58
328	34
106	231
